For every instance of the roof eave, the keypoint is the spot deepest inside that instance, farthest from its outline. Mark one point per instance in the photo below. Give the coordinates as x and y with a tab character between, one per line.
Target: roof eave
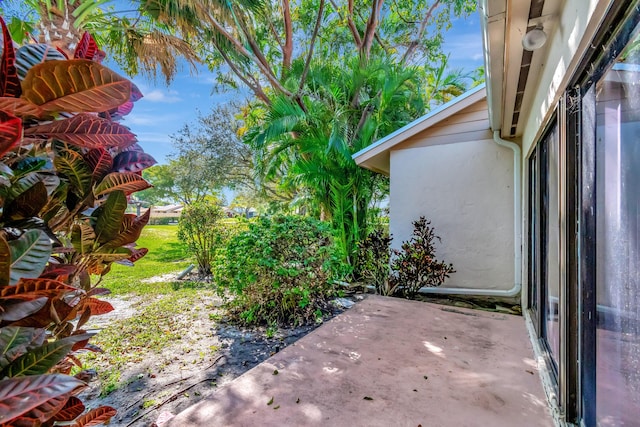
367	156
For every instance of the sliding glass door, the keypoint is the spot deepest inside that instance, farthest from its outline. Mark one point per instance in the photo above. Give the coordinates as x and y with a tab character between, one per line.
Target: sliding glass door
618	240
584	232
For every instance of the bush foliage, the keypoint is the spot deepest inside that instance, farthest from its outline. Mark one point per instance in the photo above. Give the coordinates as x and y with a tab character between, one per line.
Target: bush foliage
415	265
200	229
280	270
66	170
373	261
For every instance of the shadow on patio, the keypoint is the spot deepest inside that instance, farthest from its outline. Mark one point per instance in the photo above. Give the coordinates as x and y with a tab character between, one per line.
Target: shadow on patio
390	362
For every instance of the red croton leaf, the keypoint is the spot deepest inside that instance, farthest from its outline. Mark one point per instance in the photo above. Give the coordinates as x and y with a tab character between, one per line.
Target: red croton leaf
54	271
36	396
100	162
9	81
136	254
86	131
10	131
89	87
20	107
129	182
132	161
70	411
130	230
95	417
32	288
97	306
87	47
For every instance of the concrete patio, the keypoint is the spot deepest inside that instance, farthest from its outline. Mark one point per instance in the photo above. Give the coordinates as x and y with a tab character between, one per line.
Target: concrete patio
390	362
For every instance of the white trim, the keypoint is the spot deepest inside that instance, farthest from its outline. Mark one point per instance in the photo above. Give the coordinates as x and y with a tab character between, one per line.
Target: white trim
433	117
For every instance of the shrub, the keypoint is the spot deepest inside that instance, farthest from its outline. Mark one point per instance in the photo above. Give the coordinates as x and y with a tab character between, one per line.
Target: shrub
415	265
200	229
280	271
373	261
66	169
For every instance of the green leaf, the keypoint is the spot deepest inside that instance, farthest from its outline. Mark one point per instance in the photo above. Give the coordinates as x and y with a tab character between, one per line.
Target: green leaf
82	238
88	87
112	254
43	395
86	131
29	255
128	182
110	216
14	341
27	204
71	164
40	359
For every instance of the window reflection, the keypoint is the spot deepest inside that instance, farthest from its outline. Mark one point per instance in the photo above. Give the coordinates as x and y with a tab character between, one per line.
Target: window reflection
552	333
618	237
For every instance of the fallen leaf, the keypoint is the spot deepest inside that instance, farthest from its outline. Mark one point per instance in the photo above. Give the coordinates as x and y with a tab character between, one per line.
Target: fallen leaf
276	407
270	401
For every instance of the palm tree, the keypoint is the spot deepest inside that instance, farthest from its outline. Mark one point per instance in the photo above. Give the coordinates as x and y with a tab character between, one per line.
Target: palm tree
442	84
139	38
346	109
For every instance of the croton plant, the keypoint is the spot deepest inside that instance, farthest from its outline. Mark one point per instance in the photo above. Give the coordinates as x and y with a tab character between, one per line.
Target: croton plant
66	170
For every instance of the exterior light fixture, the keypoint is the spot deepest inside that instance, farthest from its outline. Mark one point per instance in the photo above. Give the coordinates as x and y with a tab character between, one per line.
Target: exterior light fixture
534	39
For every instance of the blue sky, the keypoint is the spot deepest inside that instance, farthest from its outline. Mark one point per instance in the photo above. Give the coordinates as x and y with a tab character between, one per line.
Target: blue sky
165	109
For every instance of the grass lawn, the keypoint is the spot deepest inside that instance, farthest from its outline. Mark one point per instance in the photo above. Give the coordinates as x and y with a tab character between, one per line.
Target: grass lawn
161	315
166	255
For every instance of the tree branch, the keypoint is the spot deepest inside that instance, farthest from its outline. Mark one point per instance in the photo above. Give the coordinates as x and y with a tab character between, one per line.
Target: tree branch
423	27
350	23
255	86
372	26
287	52
307	63
261	61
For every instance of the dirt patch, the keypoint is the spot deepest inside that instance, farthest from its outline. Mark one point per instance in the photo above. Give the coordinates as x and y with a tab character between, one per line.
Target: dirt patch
207	355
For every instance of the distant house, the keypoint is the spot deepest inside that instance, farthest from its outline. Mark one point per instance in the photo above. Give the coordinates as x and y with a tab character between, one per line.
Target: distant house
165	214
533	184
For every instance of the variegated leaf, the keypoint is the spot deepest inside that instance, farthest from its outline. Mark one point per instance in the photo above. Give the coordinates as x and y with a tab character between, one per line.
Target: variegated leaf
85	130
32	54
9	81
100	162
128	182
10	132
132	161
43	395
88	87
29	255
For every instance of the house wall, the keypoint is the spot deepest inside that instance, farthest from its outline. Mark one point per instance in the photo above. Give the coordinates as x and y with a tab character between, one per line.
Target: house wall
571	37
466	190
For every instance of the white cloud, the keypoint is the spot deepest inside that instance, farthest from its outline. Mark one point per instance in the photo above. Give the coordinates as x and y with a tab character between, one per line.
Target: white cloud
157	95
150	119
153	137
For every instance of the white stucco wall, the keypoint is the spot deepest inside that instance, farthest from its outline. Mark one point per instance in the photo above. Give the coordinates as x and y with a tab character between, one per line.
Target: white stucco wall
466	190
